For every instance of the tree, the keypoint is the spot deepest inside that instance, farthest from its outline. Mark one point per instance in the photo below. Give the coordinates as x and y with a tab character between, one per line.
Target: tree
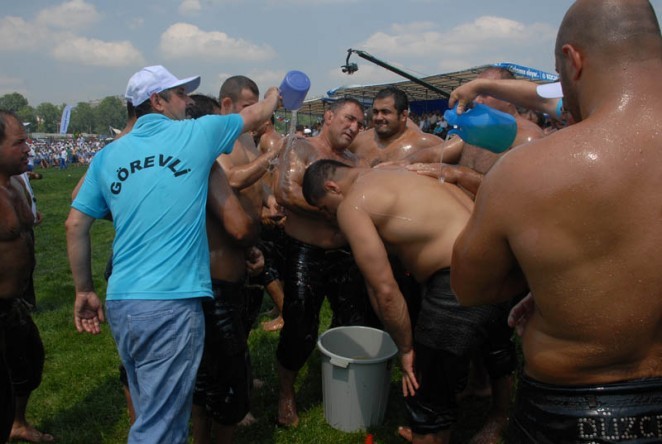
110	112
27	115
48	117
82	119
13	102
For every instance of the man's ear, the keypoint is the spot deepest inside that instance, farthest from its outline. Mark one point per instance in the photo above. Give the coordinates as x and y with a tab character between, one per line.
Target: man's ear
157	102
328	114
575	60
332	187
226	104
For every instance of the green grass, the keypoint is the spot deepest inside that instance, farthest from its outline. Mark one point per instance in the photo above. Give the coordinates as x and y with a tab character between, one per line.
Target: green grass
80	399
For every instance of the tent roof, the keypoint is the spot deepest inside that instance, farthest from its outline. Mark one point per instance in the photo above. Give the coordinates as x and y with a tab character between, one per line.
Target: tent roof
415	92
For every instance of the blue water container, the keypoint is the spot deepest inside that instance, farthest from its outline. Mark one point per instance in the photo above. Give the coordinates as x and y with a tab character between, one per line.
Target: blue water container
484	127
293	89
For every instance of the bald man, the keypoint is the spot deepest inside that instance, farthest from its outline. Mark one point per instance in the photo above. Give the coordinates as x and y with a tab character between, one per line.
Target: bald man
568	217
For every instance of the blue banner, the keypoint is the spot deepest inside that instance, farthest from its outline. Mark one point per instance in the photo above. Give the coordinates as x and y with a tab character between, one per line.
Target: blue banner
529	73
64	121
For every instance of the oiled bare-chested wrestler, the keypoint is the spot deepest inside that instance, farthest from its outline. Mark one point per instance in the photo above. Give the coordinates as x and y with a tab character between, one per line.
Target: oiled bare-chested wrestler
566	217
268	140
318	264
390	138
21	349
221	395
245	167
416	219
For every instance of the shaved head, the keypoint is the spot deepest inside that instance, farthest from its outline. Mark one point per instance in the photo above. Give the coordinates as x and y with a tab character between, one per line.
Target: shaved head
600	40
627	29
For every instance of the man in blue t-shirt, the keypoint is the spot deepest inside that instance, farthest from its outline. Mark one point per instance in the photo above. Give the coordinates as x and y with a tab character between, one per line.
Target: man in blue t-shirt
153	182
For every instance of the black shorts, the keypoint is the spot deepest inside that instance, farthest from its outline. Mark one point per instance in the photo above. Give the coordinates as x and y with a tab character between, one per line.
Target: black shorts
24	350
272	244
7	404
223	382
312	273
445	338
624	412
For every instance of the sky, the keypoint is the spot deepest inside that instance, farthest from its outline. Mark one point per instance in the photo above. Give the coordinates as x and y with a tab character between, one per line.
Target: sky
71	51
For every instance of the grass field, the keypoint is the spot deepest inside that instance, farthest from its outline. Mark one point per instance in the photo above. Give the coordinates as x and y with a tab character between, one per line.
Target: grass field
80	399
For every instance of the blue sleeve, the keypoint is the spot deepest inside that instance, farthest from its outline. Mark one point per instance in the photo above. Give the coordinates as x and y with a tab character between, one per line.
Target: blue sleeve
90	199
223	130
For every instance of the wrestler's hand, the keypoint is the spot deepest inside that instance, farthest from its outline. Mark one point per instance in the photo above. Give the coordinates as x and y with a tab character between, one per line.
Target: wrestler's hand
434	170
409	382
274	211
88	312
254	261
521	313
464	95
273	90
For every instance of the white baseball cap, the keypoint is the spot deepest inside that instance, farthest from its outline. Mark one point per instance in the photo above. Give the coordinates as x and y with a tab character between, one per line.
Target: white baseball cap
550	90
155	79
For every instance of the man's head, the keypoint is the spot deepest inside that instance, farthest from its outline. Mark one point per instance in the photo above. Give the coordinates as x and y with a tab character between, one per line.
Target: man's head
603	36
155	90
202	105
320	186
237	93
496	73
342	122
14	151
390	110
266	126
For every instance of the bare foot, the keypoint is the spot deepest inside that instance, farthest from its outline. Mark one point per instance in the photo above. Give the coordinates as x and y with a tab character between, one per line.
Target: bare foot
287	413
490	433
273	325
405	432
248	420
29	433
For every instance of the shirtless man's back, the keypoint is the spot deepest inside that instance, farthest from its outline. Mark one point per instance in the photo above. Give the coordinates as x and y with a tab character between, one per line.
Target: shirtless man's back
387	213
398	203
570	215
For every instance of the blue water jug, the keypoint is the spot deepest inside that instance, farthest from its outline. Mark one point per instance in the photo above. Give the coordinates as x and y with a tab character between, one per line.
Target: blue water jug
484	127
293	89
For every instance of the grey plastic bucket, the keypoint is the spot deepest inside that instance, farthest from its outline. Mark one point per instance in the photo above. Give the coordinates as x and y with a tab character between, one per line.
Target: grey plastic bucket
356	373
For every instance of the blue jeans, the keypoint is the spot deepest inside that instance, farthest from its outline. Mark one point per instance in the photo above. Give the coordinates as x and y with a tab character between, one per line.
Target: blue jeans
160	344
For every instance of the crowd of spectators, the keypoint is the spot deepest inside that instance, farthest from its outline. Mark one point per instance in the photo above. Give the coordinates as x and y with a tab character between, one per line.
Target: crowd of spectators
431	122
47	153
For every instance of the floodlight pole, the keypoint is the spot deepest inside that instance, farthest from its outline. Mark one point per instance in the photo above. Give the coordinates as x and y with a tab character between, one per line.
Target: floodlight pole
398	71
